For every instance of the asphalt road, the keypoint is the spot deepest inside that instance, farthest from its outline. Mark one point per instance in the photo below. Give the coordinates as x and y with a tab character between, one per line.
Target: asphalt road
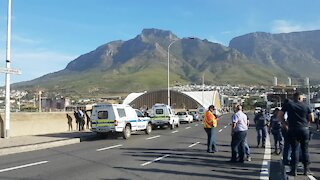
165	154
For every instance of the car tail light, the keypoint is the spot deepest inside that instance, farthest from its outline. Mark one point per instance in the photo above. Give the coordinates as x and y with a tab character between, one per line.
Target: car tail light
115	123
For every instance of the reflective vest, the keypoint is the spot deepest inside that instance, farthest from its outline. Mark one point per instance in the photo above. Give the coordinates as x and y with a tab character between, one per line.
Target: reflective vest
209	120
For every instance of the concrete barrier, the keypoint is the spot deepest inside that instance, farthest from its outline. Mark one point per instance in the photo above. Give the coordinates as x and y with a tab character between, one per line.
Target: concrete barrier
37	123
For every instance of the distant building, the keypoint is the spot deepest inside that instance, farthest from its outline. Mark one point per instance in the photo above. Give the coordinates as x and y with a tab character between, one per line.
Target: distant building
179	100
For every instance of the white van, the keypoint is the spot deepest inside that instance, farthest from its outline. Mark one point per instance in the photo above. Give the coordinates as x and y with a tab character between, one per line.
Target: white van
117	118
162	115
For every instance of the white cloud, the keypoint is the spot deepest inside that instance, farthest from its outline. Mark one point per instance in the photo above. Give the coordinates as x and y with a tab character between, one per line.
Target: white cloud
284	26
24	40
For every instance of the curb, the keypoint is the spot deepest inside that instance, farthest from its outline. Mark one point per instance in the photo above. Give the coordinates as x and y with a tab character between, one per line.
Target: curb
38	146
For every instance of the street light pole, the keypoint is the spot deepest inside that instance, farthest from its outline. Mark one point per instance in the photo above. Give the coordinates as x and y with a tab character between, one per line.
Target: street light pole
8	55
169	67
169	70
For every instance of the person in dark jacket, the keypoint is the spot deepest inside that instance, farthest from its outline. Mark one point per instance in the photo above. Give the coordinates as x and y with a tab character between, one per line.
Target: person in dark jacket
299	118
275	129
261	122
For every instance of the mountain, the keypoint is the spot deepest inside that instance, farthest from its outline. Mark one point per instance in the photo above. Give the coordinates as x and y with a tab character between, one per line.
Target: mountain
141	64
295	54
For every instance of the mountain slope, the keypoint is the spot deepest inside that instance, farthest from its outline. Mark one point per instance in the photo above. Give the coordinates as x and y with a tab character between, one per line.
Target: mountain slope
141	64
297	54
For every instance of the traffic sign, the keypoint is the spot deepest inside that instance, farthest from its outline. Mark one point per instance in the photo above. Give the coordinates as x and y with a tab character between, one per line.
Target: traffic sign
10	71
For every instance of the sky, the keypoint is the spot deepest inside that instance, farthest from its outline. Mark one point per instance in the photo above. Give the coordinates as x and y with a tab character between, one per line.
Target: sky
48	34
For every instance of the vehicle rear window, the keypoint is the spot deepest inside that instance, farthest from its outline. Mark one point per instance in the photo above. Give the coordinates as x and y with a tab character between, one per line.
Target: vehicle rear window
181	113
103	115
121	112
159	111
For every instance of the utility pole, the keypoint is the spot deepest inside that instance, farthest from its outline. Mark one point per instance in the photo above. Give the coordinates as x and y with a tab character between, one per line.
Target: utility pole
8	71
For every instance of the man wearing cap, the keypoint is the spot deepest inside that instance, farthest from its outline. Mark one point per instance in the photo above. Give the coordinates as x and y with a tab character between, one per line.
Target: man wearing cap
210	123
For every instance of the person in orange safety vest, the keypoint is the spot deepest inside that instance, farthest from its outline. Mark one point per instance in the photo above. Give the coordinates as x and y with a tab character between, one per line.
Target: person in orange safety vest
210	123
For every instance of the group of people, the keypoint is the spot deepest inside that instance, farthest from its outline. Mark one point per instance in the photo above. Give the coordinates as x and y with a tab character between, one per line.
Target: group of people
291	132
80	117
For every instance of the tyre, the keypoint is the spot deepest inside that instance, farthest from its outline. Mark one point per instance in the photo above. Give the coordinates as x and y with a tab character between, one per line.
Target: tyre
127	132
172	125
148	129
178	124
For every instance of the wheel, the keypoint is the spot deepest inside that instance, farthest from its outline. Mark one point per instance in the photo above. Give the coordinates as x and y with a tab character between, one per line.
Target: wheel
148	129
127	132
172	125
178	124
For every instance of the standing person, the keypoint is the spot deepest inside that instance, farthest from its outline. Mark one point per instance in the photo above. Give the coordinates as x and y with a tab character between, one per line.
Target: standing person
210	124
286	155
239	134
261	122
81	120
88	118
299	118
76	116
317	118
69	122
246	145
275	129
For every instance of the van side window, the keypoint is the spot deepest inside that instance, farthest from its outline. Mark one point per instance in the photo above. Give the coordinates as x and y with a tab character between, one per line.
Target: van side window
159	111
103	115
121	112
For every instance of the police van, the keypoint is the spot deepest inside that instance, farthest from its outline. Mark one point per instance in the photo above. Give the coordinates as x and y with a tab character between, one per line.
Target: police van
118	118
163	116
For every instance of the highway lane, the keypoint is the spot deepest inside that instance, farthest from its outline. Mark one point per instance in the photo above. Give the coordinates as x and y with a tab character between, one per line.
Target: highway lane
165	154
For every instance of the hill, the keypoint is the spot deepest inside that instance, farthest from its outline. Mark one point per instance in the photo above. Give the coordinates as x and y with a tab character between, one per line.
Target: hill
297	54
140	64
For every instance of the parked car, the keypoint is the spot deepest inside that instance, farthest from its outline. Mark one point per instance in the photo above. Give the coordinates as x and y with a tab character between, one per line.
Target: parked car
195	115
185	116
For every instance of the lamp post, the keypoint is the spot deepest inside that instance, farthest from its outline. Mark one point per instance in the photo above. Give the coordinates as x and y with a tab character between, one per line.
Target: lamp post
169	67
169	71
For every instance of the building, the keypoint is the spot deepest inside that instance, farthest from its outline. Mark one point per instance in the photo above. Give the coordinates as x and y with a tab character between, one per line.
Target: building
179	100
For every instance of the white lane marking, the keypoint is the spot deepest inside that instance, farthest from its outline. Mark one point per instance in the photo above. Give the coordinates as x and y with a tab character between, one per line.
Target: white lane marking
153	137
110	147
220	130
264	172
174	132
196	125
158	159
194	144
23	166
311	177
188	127
225	126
